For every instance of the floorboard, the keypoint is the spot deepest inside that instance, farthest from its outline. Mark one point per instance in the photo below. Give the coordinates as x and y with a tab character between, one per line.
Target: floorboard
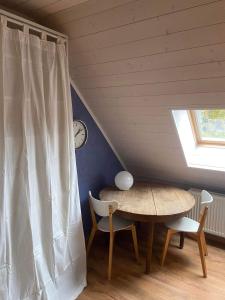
180	278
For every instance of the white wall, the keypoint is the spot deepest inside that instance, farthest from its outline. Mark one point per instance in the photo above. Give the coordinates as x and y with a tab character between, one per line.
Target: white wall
136	62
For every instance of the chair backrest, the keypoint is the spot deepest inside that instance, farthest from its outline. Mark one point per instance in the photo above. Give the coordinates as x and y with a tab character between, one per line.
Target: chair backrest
102	208
206	199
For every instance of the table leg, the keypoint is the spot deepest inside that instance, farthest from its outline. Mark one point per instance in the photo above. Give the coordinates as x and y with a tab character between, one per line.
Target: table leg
150	238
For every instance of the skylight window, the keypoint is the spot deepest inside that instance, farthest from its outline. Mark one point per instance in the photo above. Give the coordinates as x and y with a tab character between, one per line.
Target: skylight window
202	137
209	126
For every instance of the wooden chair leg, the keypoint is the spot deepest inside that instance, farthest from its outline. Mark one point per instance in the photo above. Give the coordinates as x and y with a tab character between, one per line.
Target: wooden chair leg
202	255
134	236
110	255
91	238
205	245
169	235
181	240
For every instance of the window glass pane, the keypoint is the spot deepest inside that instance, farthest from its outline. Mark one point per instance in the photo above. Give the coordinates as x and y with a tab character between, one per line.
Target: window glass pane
211	124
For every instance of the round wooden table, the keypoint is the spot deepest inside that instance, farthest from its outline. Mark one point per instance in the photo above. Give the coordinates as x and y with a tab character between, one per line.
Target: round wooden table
152	203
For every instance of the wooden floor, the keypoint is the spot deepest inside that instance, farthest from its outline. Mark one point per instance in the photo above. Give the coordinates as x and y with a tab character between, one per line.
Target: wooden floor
180	278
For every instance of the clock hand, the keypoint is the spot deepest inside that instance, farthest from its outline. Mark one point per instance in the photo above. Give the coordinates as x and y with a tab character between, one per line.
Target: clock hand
78	132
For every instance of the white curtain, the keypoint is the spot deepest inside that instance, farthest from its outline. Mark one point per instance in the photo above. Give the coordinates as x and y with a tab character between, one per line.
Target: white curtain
42	251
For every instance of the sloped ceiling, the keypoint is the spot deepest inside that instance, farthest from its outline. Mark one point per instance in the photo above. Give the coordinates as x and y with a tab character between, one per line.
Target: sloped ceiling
134	61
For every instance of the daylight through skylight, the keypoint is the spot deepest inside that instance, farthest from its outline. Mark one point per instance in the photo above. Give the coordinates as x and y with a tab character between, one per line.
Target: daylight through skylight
209	126
202	137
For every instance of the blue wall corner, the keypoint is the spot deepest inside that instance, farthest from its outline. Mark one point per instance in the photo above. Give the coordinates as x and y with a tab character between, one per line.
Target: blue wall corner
97	164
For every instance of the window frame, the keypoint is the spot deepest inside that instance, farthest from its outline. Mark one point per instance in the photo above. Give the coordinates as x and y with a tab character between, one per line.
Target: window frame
196	133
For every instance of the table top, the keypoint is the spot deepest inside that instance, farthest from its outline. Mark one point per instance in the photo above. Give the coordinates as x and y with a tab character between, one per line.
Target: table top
150	202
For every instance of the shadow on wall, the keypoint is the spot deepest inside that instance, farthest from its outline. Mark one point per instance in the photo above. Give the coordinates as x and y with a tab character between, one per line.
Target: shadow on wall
97	164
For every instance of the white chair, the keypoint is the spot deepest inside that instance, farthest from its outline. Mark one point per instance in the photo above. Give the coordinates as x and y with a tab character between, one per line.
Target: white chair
193	228
109	223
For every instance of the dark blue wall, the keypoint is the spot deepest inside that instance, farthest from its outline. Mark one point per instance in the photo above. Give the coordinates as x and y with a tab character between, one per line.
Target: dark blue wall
97	165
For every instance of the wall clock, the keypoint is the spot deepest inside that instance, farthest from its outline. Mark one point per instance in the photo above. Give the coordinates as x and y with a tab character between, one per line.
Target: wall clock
80	133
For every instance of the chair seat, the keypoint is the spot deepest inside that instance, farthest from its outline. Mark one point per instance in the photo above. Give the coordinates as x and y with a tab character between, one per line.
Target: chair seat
183	224
119	223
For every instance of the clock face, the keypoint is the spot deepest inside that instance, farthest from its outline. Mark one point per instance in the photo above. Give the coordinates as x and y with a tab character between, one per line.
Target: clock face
80	133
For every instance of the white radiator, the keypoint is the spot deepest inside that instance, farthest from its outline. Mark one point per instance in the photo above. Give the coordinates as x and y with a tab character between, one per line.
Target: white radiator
215	222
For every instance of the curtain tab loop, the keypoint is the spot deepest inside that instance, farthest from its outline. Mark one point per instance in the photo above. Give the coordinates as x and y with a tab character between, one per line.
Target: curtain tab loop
60	40
43	36
26	29
3	20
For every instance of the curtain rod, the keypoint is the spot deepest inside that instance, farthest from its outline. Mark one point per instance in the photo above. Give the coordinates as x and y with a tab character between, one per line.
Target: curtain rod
32	25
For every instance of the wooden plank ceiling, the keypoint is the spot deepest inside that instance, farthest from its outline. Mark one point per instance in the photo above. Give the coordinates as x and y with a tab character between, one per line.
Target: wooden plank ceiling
134	61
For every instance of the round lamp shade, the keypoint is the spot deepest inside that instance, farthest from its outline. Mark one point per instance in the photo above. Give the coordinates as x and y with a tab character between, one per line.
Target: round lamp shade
124	180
